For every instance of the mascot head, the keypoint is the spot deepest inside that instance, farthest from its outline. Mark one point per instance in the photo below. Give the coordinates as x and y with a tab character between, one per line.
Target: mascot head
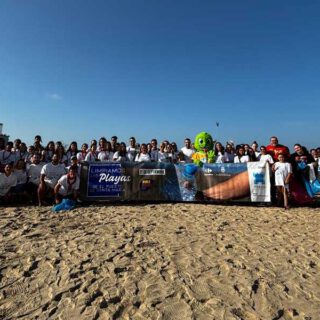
203	142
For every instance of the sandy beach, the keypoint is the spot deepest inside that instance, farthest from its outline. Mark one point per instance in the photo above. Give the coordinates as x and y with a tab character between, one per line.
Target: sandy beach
168	261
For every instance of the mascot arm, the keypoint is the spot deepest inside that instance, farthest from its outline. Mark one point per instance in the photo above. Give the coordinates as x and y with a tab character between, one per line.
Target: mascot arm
211	156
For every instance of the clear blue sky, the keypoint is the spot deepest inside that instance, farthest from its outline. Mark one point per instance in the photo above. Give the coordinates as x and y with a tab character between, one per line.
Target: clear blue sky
77	70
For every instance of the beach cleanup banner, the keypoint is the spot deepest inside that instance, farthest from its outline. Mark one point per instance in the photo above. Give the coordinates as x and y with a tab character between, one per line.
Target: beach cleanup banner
154	181
241	182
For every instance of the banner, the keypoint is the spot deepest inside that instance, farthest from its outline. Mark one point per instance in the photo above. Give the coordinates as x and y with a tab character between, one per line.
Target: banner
129	181
154	181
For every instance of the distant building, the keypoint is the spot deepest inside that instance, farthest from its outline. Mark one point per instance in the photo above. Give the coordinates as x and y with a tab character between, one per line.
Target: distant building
3	136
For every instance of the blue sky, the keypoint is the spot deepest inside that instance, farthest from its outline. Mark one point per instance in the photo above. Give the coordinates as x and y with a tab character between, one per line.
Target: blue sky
77	70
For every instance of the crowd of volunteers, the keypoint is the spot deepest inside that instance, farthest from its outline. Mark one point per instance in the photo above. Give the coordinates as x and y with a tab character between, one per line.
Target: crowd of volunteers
33	174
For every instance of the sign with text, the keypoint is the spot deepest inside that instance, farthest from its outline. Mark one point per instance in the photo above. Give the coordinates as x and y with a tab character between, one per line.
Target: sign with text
105	180
154	181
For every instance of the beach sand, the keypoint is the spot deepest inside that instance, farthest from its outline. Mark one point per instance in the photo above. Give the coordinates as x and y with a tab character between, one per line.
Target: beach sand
163	261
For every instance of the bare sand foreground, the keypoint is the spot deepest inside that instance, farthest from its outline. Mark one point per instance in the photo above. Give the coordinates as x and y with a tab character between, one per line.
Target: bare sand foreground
168	261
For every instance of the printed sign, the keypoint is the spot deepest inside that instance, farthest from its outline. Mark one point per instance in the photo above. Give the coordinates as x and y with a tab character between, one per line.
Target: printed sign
259	181
106	180
154	181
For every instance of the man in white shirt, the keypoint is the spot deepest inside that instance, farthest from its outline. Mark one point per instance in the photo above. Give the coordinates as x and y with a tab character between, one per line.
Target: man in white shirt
50	174
187	150
132	149
7	181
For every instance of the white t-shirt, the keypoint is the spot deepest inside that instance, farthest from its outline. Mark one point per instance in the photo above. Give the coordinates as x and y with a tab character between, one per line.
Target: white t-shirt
7	157
53	173
141	157
220	158
6	183
91	156
21	176
118	158
163	157
105	156
67	188
131	153
33	172
282	169
81	156
243	159
265	157
187	154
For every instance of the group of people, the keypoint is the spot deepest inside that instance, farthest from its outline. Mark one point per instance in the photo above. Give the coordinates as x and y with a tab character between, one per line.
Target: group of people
32	173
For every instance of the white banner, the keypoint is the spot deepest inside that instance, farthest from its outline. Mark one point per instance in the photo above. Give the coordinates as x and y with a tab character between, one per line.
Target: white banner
259	180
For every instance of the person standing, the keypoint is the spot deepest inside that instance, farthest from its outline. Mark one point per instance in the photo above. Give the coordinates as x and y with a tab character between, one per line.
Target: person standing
114	140
92	155
264	157
241	157
154	152
121	155
37	144
282	172
143	155
72	151
7	156
187	150
274	149
106	153
132	149
229	153
81	155
162	154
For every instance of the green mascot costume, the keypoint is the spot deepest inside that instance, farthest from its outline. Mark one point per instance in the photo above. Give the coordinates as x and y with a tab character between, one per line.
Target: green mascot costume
204	149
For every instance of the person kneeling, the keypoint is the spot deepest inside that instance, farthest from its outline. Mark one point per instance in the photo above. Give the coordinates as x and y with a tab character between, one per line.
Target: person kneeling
67	186
50	174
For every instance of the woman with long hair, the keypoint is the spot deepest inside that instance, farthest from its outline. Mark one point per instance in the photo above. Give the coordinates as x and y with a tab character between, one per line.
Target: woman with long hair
121	155
72	151
92	155
105	154
81	155
143	155
60	151
219	153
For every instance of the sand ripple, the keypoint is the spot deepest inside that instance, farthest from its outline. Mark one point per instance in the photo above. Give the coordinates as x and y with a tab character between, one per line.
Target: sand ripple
169	261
